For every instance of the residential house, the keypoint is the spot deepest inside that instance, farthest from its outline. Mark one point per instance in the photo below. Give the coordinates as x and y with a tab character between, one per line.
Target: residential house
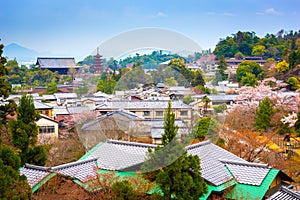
48	129
43	108
125	125
148	109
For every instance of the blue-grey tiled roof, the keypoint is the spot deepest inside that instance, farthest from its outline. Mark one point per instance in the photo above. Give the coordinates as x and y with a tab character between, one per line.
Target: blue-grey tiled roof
82	170
248	173
286	194
145	104
118	155
56	62
213	169
41	106
34	174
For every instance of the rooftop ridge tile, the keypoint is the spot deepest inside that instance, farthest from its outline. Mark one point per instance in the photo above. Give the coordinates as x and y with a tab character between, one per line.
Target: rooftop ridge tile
290	192
198	145
245	163
72	164
36	167
131	143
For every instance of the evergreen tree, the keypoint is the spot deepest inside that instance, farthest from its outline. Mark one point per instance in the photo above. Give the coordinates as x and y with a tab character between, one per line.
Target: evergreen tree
220	74
52	88
264	115
24	132
177	174
7	108
12	185
297	124
198	79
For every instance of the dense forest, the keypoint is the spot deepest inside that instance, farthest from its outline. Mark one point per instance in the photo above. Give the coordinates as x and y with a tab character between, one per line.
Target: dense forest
241	44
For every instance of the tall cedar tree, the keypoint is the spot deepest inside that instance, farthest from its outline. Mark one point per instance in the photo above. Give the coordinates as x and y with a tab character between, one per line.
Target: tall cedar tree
12	185
24	132
177	174
264	115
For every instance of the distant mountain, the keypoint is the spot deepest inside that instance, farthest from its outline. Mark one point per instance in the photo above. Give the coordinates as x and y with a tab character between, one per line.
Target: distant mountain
20	53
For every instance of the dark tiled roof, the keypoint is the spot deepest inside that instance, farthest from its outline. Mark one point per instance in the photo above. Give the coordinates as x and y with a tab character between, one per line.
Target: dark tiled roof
41	106
286	194
145	104
124	113
56	62
82	170
34	174
213	169
118	155
247	173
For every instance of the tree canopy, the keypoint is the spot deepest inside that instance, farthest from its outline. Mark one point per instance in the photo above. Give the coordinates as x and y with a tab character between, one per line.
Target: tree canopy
177	174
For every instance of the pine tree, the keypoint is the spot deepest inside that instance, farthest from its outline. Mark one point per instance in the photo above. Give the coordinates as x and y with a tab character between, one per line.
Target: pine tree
177	174
12	185
24	132
264	115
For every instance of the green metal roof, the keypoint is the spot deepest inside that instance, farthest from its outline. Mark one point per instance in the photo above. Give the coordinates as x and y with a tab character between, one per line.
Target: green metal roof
91	151
219	188
243	191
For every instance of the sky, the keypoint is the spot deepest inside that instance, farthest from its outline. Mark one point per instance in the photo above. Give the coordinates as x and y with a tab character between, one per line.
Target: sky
76	27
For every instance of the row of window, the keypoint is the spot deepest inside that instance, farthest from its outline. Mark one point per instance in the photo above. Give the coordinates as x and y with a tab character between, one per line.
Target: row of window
46	129
161	113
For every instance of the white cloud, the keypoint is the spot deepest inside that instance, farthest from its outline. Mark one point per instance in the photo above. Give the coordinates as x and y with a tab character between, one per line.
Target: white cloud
222	14
269	11
161	14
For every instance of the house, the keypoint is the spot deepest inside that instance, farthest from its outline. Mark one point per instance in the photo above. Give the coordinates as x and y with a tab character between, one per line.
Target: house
126	125
226	174
61	65
48	129
148	109
43	108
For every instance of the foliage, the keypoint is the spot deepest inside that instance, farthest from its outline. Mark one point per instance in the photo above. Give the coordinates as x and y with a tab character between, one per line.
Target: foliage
282	66
177	174
187	99
294	58
294	82
220	108
205	90
205	127
133	78
13	185
123	190
184	75
245	69
107	86
249	80
198	78
263	115
24	132
52	88
220	73
81	90
248	44
151	61
297	124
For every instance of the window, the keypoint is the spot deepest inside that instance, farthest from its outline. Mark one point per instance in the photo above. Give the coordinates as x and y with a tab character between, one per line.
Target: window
183	113
146	113
46	129
159	113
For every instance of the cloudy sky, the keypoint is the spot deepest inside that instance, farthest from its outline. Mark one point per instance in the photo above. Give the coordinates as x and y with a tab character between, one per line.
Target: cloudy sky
77	27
